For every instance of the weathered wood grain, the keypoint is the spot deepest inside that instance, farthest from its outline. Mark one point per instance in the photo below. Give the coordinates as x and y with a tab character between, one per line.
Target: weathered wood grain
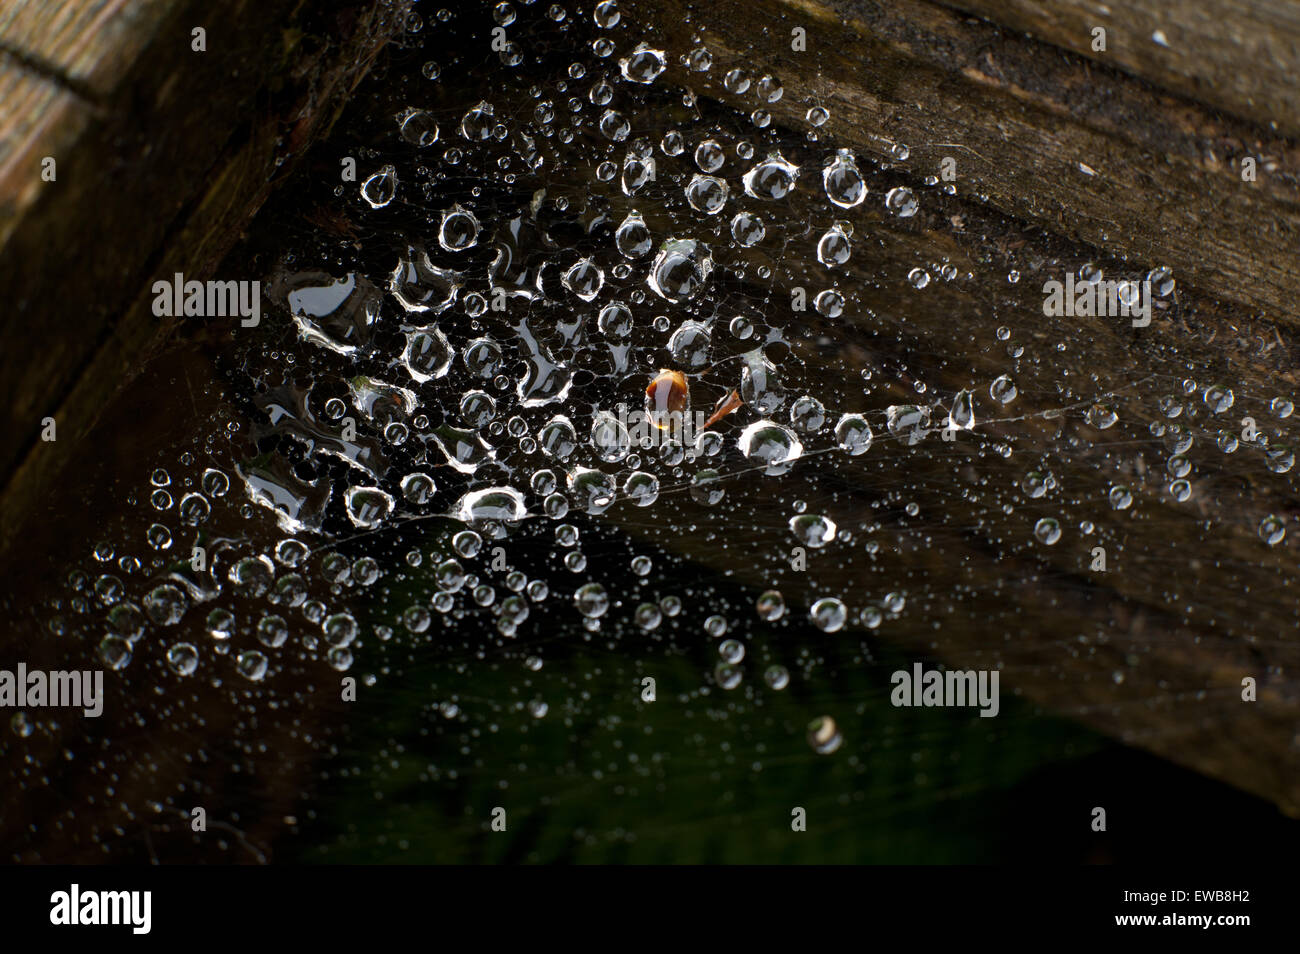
1240	55
39	117
89	44
162	153
1087	153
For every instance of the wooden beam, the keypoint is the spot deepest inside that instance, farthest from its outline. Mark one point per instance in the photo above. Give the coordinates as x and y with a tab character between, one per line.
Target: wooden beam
1086	152
161	153
1242	56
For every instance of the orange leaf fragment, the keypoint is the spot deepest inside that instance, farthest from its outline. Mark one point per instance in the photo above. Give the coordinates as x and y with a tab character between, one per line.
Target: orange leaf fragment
724	407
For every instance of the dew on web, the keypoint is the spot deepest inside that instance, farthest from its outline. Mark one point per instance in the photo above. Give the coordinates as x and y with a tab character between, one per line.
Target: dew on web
719	423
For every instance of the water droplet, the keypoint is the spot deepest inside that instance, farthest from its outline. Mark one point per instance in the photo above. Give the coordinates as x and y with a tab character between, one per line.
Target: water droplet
183	659
641	488
908	422
252	665
747	229
1218	398
813	530
591	600
1272	530
807	415
584	279
777	677
491	504
194	509
165	604
1101	416
843	182
606	15
828	614
1279	458
769	89
773	178
459	229
367	507
707	194
476	125
1003	389
834	247
115	652
829	303
962	414
824	735
769	443
680	270
378	190
1047	530
633	236
709	156
854	434
419	128
609	437
902	202
648	616
706	487
690	345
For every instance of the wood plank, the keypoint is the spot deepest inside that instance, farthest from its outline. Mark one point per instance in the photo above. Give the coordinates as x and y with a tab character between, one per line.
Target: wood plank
40	118
89	44
135	189
1239	55
1096	158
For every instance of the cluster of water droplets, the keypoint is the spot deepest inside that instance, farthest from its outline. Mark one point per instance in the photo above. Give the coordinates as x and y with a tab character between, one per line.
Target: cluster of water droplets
535	263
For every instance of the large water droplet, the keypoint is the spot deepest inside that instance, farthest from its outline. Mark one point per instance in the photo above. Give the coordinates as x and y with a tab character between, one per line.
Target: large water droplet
680	269
584	279
908	422
476	125
459	229
834	247
902	202
962	414
707	194
770	443
854	434
610	437
633	236
812	530
378	190
773	178
367	506
643	66
337	315
495	504
421	287
427	355
843	183
690	345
